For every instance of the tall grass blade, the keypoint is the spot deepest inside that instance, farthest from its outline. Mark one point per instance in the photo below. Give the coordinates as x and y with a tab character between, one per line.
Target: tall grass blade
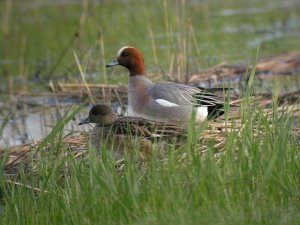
59	126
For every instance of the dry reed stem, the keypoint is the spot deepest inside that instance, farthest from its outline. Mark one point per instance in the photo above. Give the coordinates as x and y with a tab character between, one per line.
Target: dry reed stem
83	78
26	186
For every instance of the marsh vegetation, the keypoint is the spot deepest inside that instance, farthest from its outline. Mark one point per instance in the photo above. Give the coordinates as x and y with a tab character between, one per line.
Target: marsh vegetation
243	168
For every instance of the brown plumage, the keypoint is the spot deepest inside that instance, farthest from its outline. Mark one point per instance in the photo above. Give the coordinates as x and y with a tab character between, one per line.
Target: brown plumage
122	133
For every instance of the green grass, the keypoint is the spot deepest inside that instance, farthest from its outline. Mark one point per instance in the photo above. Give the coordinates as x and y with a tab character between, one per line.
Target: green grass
255	181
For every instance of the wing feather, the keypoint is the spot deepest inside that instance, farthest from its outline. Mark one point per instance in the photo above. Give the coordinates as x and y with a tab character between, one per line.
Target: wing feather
184	95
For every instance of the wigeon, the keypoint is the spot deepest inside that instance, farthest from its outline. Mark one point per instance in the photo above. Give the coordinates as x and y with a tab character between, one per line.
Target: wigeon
125	133
167	101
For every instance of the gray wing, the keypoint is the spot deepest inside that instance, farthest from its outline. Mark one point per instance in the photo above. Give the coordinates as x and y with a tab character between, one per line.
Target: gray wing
184	95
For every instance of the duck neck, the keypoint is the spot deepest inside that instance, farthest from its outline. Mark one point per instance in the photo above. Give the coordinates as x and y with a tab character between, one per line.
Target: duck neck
140	82
109	119
138	87
137	70
105	120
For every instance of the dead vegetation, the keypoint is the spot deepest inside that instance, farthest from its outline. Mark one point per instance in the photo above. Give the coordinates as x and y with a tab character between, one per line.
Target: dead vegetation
286	64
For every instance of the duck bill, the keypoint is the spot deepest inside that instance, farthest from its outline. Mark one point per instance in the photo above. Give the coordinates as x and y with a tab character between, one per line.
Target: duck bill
85	121
113	63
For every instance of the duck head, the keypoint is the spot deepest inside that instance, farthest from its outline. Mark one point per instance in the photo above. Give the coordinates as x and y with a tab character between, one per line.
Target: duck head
100	114
130	58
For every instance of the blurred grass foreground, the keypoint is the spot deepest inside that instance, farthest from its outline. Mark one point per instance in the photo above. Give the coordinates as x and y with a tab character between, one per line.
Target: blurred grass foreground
242	168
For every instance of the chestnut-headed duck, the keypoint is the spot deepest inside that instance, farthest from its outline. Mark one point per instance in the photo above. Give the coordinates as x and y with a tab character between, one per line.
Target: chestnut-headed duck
167	101
127	133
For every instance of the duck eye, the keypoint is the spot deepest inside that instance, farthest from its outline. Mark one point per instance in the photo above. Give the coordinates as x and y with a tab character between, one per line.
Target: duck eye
124	54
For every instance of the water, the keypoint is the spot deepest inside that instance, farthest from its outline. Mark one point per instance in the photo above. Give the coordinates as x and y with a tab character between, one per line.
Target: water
31	118
34	118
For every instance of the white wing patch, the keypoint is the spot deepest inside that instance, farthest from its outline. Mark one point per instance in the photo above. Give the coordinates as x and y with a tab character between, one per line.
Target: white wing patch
202	113
166	103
